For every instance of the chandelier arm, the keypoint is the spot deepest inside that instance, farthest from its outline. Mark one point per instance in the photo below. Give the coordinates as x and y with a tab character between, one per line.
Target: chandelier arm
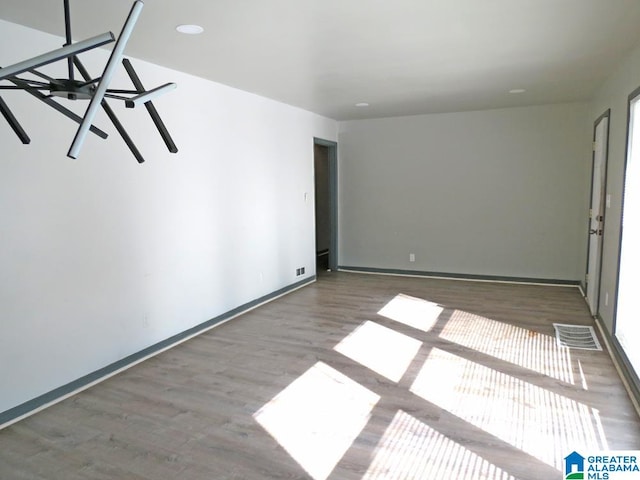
32	83
149	95
44	77
153	113
55	105
67	33
55	55
114	59
123	133
35	83
112	116
30	87
123	91
89	82
116	97
13	122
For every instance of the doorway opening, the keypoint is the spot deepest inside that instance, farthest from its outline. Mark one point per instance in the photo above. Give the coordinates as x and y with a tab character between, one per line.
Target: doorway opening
325	161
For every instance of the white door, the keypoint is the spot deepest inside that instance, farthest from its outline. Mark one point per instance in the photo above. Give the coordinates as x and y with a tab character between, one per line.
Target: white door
596	221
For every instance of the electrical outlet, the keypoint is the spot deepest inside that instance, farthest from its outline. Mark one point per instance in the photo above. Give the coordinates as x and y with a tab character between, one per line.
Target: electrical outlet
412	257
299	271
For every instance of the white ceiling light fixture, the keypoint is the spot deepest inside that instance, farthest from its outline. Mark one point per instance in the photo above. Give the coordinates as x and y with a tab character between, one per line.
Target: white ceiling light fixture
517	90
96	90
362	104
190	29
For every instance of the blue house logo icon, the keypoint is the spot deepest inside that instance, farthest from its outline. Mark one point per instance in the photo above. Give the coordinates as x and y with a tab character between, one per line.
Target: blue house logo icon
574	466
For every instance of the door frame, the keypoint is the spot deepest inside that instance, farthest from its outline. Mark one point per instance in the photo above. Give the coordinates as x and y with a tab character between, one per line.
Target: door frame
629	372
632	96
332	148
605	168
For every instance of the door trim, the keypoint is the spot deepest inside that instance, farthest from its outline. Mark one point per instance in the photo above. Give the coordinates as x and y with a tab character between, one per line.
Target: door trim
333	199
607	115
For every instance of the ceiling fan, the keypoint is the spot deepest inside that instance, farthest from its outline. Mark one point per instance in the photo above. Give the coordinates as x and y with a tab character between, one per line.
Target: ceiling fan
96	90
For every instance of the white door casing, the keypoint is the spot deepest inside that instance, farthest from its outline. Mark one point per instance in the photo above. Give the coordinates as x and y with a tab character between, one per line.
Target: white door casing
596	220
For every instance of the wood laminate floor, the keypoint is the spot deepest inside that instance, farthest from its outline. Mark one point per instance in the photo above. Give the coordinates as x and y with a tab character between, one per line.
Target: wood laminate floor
354	377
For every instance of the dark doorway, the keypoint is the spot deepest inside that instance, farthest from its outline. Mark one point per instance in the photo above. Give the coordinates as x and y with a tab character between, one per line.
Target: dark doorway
325	174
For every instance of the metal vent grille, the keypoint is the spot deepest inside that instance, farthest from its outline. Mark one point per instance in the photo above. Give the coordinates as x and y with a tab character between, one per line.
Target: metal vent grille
576	336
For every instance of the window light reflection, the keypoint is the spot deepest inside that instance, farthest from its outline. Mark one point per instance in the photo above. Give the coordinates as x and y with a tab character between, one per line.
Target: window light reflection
414	312
381	349
410	449
535	420
520	346
317	417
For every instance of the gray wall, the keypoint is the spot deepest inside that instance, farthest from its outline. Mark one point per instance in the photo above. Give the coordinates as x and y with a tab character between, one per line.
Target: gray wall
500	192
101	257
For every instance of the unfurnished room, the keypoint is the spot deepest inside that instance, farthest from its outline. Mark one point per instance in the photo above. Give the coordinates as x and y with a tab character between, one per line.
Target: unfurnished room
331	240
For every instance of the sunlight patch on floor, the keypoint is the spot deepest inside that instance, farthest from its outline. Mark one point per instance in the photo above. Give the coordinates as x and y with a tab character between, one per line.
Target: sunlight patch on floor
414	312
539	422
410	449
381	349
520	346
317	417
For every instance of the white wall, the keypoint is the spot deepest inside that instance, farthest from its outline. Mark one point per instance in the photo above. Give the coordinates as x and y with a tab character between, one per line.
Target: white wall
101	257
614	95
498	192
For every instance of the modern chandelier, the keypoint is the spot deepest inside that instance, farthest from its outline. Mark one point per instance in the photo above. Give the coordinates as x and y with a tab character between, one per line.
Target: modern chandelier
96	90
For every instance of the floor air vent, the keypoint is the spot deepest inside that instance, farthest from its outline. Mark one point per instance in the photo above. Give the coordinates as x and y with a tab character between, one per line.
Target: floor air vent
576	336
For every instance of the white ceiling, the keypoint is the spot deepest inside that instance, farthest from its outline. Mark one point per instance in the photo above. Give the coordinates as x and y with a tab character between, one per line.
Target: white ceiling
402	57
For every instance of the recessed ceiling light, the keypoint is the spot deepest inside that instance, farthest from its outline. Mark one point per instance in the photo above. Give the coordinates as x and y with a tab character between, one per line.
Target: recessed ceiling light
190	29
517	90
362	104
